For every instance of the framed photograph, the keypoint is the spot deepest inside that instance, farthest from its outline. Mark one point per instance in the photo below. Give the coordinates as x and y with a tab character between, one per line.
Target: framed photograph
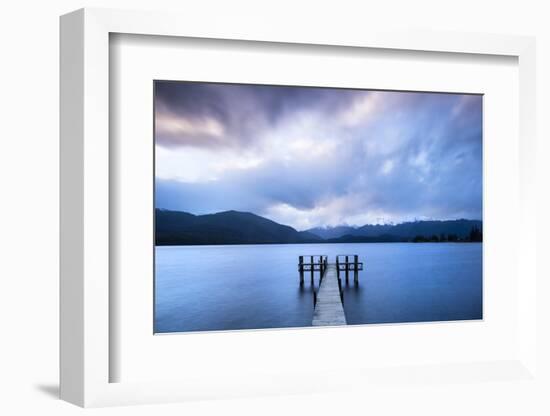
260	188
237	205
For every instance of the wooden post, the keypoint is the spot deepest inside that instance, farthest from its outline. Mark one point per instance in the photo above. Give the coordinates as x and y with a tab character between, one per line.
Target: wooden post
312	269
301	268
338	267
347	270
356	271
314	298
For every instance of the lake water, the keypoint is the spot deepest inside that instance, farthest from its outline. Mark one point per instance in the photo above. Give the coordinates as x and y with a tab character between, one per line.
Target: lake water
205	288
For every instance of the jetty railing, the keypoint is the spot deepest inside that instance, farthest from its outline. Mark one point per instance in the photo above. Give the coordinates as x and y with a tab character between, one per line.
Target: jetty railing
348	263
312	264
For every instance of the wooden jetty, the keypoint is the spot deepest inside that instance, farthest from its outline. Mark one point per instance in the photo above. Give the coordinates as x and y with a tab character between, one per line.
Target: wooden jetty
328	300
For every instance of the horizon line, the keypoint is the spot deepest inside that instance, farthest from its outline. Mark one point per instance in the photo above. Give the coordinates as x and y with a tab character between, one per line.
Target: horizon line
323	226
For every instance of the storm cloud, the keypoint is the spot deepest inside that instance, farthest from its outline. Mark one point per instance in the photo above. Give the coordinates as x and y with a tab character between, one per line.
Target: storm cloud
318	156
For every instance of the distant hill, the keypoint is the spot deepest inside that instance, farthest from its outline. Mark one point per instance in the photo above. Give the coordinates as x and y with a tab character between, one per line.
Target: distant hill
229	227
385	238
404	231
234	227
333	232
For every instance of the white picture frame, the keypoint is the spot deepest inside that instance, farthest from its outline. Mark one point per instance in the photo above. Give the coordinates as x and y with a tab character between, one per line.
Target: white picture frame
85	206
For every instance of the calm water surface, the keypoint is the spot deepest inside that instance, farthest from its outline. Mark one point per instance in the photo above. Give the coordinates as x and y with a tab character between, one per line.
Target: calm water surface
204	288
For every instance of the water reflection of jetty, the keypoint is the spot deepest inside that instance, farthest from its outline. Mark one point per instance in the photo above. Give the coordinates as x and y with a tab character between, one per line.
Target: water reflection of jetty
328	300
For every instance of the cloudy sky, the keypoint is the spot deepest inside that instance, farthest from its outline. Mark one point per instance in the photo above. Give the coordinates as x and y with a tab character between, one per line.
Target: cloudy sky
310	157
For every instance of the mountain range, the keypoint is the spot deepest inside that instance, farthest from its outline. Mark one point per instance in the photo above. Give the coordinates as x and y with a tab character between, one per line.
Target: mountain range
406	230
234	227
228	227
